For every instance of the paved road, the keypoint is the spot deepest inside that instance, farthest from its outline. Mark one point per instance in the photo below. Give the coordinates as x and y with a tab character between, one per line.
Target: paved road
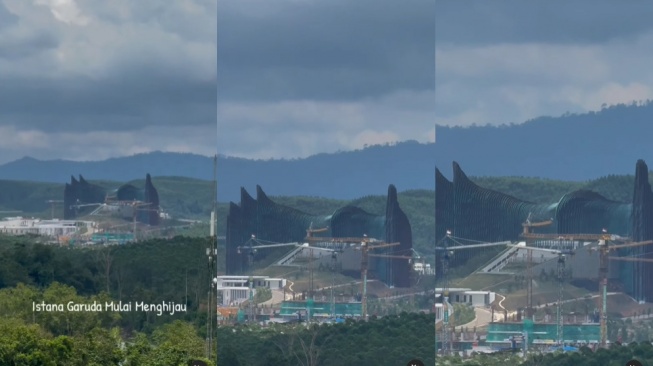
277	298
498	315
483	318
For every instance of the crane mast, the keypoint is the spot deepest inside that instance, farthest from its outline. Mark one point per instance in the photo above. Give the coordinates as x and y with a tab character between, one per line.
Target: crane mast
559	320
604	248
446	332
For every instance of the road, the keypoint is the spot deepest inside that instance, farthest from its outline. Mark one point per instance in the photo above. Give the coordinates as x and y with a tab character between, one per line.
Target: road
483	318
290	290
499	316
277	298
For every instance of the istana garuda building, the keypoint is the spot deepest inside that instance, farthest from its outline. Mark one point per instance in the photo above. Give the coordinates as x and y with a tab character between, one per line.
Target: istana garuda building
473	212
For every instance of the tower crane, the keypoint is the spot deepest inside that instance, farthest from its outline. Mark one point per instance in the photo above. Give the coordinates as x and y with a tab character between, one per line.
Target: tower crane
310	231
365	247
52	204
334	257
136	207
604	249
560	270
446	341
364	244
252	250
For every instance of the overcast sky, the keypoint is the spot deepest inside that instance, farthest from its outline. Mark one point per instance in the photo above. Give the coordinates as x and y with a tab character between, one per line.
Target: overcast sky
92	79
509	61
298	77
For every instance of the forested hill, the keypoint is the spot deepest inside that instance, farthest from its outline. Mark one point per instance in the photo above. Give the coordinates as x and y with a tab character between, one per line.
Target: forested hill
571	148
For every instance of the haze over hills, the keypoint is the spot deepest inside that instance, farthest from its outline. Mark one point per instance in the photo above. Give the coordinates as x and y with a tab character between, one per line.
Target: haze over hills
114	169
570	148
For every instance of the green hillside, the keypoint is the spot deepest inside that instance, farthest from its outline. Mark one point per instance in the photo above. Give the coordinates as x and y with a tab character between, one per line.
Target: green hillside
615	187
192	199
181	197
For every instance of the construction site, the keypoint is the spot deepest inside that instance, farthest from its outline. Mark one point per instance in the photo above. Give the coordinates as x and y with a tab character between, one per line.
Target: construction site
537	319
116	215
311	281
561	281
536	277
349	264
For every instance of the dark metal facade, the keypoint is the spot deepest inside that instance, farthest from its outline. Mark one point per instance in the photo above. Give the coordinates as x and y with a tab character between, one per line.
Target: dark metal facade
273	222
473	212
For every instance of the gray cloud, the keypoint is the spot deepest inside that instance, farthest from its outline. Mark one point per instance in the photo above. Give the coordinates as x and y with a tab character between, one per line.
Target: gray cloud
98	145
516	21
294	129
511	61
88	66
7	19
576	80
300	77
326	50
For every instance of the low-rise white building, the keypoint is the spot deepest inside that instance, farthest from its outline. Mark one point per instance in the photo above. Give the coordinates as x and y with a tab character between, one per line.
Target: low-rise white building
474	298
423	268
235	289
51	228
469	297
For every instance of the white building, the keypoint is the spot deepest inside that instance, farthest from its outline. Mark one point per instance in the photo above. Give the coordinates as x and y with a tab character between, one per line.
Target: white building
469	297
235	289
423	268
51	228
474	298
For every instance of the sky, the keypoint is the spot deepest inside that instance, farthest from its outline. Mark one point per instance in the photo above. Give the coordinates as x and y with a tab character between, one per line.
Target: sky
92	79
508	61
299	77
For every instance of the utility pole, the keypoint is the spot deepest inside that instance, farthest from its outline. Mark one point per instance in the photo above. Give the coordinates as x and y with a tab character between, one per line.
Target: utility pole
310	301
214	241
529	298
435	307
603	277
134	221
211	253
251	300
333	284
364	263
311	274
446	341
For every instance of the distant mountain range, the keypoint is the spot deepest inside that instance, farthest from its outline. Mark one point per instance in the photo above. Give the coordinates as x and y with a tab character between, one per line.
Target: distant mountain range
571	147
114	169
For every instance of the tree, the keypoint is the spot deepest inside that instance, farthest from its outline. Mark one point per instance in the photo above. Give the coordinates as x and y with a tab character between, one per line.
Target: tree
138	350
99	347
178	340
17	302
22	344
